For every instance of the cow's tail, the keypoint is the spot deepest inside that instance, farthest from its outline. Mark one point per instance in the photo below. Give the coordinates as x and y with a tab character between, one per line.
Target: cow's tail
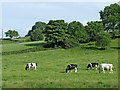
36	64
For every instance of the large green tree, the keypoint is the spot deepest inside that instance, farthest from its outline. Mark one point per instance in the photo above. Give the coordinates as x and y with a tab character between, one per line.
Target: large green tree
77	31
36	35
92	28
103	39
37	31
111	18
12	33
56	33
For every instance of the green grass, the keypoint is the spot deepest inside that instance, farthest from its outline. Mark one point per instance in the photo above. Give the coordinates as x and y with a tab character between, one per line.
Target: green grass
50	71
7	41
20	46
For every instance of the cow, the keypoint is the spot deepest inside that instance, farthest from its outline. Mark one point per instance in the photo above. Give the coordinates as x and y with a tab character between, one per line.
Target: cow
71	67
104	67
31	65
90	65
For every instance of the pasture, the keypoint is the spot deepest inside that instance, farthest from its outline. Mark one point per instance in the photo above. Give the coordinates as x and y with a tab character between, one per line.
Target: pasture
51	67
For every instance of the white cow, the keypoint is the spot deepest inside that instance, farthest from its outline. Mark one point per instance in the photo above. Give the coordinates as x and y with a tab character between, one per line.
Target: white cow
106	67
31	65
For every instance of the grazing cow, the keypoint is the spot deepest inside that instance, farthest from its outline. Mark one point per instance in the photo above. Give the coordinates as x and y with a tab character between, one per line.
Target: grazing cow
106	67
90	65
31	65
70	67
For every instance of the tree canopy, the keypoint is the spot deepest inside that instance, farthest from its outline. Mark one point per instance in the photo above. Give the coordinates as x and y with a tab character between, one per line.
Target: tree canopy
56	32
11	33
77	30
111	18
36	35
37	31
92	28
103	39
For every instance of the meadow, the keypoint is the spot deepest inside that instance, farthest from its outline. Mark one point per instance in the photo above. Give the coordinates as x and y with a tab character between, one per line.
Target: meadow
52	63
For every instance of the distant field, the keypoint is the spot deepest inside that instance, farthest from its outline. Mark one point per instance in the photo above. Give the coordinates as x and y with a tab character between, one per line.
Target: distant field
50	72
20	46
7	41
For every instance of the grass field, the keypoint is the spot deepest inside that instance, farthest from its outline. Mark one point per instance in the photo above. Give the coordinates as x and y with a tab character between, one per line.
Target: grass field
50	71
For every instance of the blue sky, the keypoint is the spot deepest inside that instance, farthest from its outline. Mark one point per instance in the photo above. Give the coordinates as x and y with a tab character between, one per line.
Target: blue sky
21	16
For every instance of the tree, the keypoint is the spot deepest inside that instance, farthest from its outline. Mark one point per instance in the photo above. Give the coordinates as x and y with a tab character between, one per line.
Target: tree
92	28
111	18
56	33
103	40
36	35
77	31
37	32
11	33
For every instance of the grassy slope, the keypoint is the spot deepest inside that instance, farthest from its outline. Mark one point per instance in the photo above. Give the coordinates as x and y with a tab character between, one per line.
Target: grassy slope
50	72
20	46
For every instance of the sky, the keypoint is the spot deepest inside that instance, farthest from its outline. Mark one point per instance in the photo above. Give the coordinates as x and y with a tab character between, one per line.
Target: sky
21	16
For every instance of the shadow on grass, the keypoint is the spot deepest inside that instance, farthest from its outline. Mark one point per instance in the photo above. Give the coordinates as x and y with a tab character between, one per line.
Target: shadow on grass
90	44
36	44
115	47
91	48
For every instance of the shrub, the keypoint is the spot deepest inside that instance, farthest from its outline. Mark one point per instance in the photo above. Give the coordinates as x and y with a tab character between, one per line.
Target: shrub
103	40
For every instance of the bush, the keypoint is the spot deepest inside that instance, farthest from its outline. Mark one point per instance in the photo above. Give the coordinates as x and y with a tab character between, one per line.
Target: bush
36	35
23	39
103	40
70	42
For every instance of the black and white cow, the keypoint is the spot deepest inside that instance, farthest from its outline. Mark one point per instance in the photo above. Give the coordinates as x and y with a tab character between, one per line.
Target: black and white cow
31	65
71	67
90	65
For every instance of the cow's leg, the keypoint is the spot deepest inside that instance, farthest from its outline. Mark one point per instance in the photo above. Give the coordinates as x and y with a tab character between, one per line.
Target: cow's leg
111	71
103	70
75	69
68	71
35	67
96	67
29	67
71	70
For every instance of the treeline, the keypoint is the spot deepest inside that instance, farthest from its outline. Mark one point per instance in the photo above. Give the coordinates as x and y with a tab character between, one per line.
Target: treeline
59	33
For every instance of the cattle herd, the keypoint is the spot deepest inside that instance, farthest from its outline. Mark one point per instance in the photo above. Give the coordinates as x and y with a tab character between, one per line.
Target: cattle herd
70	67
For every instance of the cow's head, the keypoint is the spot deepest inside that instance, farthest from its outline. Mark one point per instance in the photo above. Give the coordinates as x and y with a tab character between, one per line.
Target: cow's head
66	70
88	66
26	67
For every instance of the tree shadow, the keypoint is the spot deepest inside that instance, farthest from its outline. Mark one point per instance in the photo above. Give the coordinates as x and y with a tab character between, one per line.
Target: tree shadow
90	44
35	44
115	47
92	48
